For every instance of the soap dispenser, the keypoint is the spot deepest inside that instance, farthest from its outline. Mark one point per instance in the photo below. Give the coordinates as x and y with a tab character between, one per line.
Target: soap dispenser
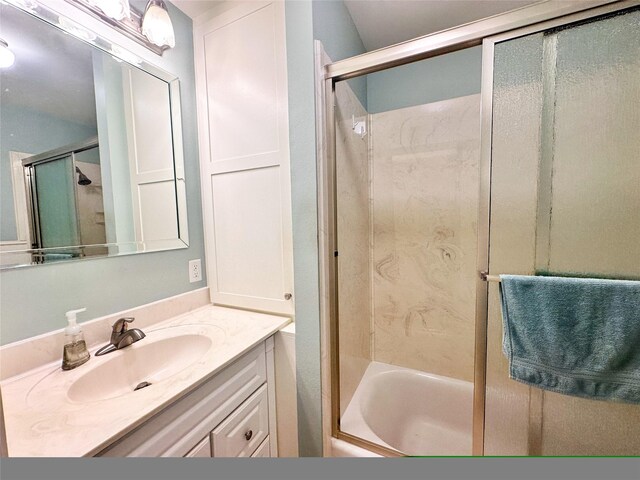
75	349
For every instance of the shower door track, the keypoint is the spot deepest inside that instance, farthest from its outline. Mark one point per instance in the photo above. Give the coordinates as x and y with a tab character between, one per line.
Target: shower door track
487	32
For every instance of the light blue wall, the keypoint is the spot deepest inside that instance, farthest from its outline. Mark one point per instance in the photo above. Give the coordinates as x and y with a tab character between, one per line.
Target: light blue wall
334	27
300	66
34	299
448	76
29	131
89	156
329	21
440	78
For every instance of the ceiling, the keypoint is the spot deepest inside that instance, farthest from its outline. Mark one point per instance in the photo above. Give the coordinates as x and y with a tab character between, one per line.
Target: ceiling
194	8
381	23
386	22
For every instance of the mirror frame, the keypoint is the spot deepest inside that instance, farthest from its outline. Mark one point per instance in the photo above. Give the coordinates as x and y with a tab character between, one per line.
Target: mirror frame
64	23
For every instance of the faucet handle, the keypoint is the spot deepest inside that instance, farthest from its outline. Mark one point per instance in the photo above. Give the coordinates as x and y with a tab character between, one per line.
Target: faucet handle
121	325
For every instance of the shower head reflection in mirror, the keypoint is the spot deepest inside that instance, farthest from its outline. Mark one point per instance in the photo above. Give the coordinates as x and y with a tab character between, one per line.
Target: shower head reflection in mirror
82	178
128	189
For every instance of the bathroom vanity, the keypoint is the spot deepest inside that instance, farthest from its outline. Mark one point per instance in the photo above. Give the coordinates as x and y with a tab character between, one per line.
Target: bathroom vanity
227	416
205	387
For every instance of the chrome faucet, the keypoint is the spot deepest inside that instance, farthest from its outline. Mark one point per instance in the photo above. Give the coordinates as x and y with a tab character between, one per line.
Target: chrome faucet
121	336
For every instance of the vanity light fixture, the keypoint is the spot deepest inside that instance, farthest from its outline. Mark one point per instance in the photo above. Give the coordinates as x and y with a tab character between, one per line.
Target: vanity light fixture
6	56
156	24
151	28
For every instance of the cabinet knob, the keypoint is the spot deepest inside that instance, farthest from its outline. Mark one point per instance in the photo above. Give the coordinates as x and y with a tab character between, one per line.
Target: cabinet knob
248	435
287	296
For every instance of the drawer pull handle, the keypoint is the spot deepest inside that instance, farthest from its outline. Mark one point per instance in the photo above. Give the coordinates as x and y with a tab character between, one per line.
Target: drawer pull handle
248	435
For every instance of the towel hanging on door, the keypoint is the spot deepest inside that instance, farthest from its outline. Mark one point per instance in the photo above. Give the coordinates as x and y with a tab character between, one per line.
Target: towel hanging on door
576	336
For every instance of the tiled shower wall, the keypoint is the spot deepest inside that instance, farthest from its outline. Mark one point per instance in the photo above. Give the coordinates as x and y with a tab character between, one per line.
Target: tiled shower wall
425	200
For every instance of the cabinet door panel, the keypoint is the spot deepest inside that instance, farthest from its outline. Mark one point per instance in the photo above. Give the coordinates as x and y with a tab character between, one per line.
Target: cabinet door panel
244	156
250	266
151	153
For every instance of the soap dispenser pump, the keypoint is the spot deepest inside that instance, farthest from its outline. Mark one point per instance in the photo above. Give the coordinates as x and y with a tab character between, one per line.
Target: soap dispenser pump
75	349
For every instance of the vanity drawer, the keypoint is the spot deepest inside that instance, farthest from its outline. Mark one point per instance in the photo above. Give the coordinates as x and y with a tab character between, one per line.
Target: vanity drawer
263	450
203	449
242	432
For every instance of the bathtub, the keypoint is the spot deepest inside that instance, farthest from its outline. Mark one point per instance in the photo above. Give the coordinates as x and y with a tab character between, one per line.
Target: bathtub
409	411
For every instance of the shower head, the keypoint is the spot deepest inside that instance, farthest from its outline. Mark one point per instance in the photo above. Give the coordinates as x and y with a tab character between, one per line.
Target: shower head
82	178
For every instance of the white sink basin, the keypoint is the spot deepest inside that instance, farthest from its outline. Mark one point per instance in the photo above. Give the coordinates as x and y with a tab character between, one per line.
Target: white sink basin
162	354
151	362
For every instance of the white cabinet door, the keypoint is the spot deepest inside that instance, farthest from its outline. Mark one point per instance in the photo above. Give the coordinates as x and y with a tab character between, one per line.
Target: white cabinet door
244	156
147	117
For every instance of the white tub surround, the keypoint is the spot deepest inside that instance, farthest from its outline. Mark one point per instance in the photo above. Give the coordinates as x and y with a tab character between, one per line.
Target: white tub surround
424	215
42	420
412	412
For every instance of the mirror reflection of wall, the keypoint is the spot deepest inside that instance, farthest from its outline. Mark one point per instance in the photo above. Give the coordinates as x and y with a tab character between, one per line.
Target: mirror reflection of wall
59	94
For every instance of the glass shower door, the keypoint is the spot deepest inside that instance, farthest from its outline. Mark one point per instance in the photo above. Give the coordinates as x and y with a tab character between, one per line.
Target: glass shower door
406	180
565	199
56	203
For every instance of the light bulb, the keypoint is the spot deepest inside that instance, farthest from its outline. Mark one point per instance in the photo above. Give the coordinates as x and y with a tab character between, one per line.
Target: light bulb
6	56
117	9
29	5
76	30
156	24
120	54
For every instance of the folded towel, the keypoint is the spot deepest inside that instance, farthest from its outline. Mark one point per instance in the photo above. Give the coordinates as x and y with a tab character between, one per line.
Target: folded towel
574	336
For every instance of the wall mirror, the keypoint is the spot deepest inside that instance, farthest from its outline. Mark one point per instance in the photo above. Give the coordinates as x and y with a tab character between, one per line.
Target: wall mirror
91	159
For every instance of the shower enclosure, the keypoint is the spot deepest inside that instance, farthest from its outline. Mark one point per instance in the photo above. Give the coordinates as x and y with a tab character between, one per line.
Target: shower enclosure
537	171
64	193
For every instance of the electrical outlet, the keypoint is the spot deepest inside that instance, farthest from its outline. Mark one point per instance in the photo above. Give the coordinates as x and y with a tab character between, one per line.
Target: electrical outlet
195	271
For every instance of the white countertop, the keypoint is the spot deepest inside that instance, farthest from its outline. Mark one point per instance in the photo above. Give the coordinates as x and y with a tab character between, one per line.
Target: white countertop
41	421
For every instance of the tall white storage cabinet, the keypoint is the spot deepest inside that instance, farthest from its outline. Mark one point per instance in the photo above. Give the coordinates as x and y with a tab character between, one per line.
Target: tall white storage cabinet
151	149
244	155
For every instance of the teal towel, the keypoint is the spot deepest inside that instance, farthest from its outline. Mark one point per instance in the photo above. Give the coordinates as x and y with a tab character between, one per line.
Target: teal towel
574	336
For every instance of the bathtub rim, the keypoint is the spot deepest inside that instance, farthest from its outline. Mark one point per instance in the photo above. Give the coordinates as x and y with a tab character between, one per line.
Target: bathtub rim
372	441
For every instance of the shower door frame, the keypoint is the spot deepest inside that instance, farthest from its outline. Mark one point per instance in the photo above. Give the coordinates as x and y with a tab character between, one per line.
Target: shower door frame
487	32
